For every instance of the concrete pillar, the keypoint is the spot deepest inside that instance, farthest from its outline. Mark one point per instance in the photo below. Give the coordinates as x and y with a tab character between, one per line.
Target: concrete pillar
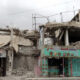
42	40
66	38
42	36
10	62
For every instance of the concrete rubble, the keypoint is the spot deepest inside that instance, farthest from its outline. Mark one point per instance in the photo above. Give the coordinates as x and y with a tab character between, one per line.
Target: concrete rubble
76	44
24	51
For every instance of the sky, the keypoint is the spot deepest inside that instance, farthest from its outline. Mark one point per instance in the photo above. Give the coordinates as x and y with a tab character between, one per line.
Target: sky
18	13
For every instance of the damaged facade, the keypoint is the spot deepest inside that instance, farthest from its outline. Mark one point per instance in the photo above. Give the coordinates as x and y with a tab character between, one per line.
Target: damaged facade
18	54
60	49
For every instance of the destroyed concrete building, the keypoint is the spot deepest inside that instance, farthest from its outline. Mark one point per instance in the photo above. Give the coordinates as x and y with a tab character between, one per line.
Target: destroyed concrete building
23	52
59	31
61	48
18	55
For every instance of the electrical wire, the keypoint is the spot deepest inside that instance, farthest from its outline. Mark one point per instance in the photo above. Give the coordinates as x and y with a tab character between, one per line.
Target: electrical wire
39	8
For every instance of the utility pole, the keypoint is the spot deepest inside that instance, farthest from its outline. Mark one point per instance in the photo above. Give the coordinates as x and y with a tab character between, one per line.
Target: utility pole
74	7
35	21
34	18
79	15
61	17
73	10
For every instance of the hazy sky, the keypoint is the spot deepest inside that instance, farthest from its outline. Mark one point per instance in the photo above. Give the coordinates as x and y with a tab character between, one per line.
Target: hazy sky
18	13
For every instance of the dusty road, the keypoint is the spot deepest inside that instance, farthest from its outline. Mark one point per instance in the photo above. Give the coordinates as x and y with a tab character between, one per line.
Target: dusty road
25	78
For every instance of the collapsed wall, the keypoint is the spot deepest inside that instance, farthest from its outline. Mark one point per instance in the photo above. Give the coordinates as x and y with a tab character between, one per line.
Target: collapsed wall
67	32
23	64
25	61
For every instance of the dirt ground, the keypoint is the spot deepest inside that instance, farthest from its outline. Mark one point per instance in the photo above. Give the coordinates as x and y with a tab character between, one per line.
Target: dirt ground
25	78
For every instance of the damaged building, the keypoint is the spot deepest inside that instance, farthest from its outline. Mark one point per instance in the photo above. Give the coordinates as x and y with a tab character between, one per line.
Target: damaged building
18	53
55	51
60	48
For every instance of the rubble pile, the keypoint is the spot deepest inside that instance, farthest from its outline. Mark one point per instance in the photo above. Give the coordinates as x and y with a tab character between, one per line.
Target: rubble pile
19	72
30	74
76	45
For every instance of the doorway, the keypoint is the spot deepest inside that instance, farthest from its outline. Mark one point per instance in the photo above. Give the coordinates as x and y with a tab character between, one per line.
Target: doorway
2	66
57	66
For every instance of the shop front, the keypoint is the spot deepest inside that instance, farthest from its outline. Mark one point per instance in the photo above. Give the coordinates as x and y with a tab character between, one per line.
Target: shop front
62	63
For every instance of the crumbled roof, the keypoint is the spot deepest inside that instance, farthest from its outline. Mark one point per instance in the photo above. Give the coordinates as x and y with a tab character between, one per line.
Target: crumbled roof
17	40
76	17
8	31
73	24
68	25
31	34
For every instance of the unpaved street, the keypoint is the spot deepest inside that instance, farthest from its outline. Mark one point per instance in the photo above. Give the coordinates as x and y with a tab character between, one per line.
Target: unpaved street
25	78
